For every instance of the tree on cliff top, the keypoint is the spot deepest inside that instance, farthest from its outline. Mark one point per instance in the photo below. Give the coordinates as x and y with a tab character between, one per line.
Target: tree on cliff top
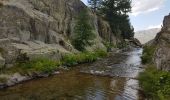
116	13
94	4
83	31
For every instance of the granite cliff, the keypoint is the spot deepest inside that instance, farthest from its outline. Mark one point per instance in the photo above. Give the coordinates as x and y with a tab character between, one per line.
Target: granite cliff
162	43
43	28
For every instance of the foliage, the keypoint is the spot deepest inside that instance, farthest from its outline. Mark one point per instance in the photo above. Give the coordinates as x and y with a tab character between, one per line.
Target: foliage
116	13
122	45
94	4
109	45
83	32
155	83
73	59
148	53
40	65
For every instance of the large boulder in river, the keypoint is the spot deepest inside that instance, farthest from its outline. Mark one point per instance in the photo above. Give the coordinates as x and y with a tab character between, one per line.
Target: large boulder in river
44	28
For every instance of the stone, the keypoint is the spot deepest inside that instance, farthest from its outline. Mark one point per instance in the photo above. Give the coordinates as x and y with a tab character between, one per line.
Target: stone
43	28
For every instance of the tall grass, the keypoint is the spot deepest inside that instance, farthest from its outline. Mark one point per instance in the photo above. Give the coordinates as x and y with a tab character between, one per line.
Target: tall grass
85	57
148	53
155	83
40	65
45	65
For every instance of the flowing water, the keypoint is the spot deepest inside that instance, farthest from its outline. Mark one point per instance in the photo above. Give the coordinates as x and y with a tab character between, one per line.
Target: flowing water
112	78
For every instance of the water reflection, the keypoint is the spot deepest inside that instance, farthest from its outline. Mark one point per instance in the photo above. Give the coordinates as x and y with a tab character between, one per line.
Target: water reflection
75	85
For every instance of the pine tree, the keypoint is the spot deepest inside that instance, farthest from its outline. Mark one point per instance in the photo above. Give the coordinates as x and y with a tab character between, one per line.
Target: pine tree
83	32
94	4
116	13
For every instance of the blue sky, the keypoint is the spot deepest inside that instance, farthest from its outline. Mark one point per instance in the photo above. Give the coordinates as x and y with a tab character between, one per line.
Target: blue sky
148	14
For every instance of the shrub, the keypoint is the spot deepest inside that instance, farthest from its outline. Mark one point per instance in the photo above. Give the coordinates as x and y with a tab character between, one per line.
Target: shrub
109	45
40	65
155	83
148	53
83	30
73	59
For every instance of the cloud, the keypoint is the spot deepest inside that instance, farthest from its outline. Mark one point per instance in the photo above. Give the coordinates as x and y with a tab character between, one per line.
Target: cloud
145	6
154	26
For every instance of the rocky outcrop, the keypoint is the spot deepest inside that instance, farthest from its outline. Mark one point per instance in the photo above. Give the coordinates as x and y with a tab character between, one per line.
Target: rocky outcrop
43	28
162	43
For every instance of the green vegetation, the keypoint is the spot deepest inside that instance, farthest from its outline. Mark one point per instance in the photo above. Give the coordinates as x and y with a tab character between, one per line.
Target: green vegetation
73	59
148	53
94	4
44	65
122	45
3	79
155	83
116	13
83	32
109	45
40	65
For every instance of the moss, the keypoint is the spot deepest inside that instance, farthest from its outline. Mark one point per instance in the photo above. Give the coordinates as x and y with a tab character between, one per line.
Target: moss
155	83
1	4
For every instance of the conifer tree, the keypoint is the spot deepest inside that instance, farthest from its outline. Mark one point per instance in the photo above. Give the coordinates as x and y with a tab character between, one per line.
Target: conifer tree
83	32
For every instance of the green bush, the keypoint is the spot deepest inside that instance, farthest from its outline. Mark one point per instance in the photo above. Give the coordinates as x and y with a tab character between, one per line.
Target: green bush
73	59
155	83
148	53
109	45
83	31
40	65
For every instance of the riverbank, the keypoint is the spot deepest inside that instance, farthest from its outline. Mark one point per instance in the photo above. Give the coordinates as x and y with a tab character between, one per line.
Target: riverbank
112	77
154	83
26	70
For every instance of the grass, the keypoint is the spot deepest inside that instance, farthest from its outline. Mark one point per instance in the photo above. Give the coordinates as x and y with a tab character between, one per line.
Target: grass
85	57
148	53
155	83
40	65
45	65
109	45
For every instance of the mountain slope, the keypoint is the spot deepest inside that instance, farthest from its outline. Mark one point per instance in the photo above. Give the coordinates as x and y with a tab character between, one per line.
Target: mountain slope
44	28
146	35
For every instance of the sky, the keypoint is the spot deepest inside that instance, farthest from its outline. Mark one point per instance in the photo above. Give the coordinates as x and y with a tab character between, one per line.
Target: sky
147	14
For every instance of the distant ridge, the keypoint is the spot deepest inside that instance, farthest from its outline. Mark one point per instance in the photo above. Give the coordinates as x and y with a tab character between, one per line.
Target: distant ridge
145	36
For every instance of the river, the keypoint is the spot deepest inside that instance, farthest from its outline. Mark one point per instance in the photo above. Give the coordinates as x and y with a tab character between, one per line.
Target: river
112	78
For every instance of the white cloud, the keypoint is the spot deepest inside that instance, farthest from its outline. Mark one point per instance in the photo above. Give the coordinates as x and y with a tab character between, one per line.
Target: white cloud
146	6
154	26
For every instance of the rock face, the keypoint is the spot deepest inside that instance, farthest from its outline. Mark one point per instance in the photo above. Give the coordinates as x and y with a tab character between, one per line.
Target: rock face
145	36
43	28
162	43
